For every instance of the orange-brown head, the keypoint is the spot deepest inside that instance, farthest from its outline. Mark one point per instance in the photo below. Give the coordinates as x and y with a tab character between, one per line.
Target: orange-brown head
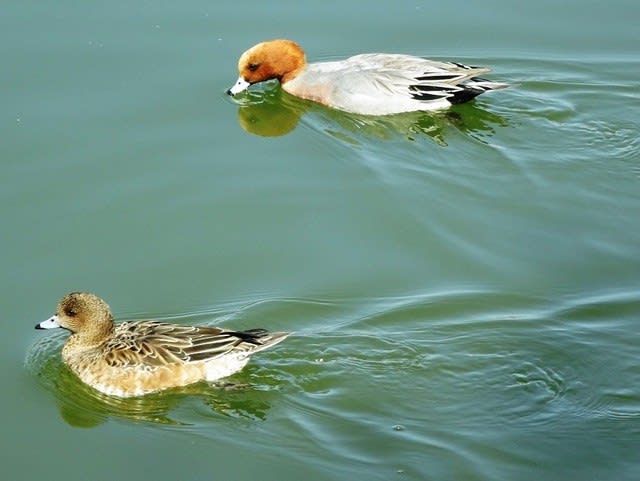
274	59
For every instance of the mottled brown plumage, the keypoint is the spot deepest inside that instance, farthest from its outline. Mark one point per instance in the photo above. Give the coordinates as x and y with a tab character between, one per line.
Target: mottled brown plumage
138	357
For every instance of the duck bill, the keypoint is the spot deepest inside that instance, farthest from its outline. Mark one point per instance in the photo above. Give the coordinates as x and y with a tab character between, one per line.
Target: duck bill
50	323
240	86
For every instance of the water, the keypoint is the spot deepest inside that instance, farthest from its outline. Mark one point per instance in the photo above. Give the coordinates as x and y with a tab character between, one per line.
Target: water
463	287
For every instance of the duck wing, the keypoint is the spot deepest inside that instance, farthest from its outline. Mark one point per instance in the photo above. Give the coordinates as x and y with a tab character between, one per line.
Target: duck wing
422	79
426	79
153	343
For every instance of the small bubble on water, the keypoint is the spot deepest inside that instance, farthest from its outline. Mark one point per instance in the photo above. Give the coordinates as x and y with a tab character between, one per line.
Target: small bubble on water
398	427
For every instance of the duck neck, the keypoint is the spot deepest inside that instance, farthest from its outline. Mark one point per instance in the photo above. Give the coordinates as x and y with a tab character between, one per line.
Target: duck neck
291	74
289	61
99	334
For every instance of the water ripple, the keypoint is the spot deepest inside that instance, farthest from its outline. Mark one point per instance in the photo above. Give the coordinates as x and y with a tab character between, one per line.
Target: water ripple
502	359
517	355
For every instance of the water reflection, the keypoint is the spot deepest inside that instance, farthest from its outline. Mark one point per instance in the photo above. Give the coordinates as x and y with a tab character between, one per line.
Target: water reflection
83	406
273	112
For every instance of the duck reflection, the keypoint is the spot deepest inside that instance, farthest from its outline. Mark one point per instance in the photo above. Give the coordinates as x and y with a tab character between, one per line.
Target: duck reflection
83	406
273	112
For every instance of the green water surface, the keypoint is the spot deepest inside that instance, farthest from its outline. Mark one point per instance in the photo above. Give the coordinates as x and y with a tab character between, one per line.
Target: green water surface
464	287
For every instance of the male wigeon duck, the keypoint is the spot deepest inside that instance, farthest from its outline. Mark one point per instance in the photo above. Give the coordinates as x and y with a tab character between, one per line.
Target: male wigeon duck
369	84
139	357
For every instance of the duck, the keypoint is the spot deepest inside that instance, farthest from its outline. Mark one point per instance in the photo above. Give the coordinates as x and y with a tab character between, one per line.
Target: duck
135	358
366	84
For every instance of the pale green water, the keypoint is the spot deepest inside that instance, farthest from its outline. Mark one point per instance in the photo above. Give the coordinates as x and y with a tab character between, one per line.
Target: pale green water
464	288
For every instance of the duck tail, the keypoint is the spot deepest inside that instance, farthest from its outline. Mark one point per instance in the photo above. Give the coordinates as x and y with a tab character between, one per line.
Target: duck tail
472	88
261	338
484	85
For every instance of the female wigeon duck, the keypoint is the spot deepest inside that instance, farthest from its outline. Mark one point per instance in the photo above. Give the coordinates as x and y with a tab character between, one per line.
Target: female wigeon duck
139	357
369	84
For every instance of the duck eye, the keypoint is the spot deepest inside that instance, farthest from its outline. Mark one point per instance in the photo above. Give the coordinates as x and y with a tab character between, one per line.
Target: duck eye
253	67
71	312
